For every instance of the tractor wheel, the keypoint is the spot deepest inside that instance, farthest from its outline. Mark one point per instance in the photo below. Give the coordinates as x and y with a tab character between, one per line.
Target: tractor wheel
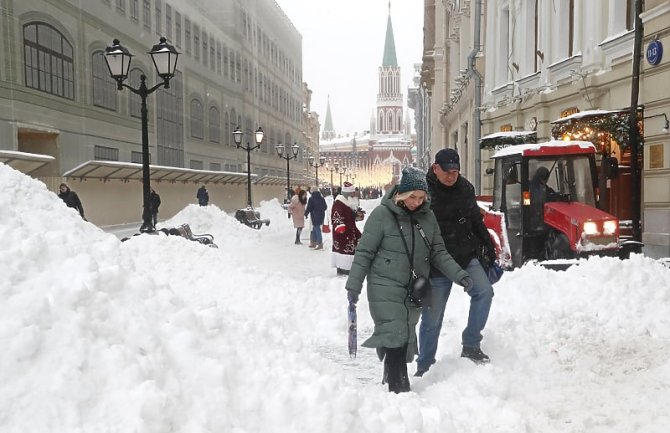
557	246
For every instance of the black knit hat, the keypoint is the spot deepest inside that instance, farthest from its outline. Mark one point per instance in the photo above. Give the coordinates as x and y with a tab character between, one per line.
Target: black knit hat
448	159
412	179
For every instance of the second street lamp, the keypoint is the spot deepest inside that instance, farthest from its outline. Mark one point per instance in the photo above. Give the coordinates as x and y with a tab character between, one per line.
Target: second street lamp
316	165
341	171
288	157
332	169
118	60
258	136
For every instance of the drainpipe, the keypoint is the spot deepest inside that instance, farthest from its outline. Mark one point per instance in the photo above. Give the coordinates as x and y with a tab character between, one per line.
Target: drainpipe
476	115
634	134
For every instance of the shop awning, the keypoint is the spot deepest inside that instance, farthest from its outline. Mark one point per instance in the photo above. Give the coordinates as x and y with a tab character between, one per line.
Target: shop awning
507	138
24	162
114	170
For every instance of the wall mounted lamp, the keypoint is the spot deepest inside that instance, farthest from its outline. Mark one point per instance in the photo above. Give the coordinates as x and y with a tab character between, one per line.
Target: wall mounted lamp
666	123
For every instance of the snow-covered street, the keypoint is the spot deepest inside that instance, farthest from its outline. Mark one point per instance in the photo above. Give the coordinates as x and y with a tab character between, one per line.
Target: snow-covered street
161	334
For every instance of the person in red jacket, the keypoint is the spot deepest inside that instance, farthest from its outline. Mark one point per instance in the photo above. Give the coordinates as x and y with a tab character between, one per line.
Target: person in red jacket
345	232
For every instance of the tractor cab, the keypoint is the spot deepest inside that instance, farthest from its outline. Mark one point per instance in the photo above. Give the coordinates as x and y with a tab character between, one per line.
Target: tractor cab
545	203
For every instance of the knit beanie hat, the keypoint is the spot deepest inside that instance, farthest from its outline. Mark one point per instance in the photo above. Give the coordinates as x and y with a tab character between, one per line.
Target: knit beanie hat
412	179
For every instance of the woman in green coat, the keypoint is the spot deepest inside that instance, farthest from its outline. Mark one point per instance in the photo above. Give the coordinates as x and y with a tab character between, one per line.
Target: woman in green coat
381	256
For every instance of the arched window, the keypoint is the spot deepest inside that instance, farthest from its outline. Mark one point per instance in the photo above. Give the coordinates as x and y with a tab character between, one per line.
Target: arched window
214	125
49	64
104	86
134	101
197	124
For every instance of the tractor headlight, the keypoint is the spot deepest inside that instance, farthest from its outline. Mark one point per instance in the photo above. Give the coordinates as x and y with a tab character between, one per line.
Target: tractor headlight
609	227
590	228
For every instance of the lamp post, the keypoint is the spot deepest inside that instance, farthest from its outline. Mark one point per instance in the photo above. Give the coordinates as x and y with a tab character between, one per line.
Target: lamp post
332	169
118	60
341	171
288	157
258	136
316	165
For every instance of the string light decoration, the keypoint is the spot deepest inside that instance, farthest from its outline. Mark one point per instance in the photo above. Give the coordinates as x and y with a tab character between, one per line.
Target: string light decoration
598	129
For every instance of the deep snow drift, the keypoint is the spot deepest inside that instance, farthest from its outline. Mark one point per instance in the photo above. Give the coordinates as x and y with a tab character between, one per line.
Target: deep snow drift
160	334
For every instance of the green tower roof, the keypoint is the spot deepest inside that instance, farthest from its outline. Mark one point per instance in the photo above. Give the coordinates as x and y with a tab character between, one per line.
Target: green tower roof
389	46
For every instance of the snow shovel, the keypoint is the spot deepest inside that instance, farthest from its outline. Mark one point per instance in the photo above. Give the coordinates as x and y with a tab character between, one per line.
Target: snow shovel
353	337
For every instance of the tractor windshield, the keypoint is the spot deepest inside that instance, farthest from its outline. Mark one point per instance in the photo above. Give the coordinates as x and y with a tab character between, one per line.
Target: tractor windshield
569	177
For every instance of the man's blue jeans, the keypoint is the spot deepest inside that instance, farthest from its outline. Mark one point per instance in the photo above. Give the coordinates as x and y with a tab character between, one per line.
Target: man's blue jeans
316	234
481	296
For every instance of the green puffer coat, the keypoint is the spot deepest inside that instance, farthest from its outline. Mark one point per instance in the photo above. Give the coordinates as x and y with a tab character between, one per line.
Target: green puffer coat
381	256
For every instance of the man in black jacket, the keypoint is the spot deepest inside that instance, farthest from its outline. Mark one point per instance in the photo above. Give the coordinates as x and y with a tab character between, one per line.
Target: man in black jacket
71	199
464	233
155	202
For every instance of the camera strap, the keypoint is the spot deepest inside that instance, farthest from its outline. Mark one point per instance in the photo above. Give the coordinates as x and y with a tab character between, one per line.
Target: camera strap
404	242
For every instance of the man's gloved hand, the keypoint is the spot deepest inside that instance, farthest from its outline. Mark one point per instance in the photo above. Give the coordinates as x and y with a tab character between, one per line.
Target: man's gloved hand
467	284
352	297
340	228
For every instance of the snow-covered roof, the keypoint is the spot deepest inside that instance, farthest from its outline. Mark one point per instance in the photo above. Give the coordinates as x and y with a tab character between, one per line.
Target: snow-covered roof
505	134
521	148
587	113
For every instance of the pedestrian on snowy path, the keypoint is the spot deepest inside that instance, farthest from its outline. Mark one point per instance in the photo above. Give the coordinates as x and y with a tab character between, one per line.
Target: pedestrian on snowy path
464	234
297	211
316	211
400	234
71	199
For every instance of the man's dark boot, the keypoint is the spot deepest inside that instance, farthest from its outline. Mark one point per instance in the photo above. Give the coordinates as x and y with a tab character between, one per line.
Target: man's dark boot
475	354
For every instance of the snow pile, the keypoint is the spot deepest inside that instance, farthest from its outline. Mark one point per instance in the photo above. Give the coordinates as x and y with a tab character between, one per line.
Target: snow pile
161	334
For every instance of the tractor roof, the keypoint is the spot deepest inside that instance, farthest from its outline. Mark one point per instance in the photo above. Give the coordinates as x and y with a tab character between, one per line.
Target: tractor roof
548	148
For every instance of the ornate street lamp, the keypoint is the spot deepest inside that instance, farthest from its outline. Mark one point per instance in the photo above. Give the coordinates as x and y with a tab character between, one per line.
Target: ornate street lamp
341	171
332	169
288	157
258	136
316	165
118	60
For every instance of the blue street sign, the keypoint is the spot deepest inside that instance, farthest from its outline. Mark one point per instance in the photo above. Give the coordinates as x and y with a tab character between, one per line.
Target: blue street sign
654	52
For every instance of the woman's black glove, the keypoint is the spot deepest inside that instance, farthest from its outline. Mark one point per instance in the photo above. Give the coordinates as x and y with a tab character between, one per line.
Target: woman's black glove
352	297
467	284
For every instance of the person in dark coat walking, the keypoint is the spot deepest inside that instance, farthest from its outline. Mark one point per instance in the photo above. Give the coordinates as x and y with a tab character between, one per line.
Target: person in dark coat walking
202	196
465	235
71	199
393	238
155	202
316	211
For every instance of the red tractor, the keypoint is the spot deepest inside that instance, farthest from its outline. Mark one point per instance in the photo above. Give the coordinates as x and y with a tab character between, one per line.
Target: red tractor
544	204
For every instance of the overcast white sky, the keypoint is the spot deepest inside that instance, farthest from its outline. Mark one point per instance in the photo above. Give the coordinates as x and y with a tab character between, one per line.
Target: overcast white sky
343	46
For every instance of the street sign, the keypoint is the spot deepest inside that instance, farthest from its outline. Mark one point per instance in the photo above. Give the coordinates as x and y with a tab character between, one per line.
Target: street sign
654	52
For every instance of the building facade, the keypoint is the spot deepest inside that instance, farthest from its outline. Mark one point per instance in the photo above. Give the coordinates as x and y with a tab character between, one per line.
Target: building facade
564	70
240	65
